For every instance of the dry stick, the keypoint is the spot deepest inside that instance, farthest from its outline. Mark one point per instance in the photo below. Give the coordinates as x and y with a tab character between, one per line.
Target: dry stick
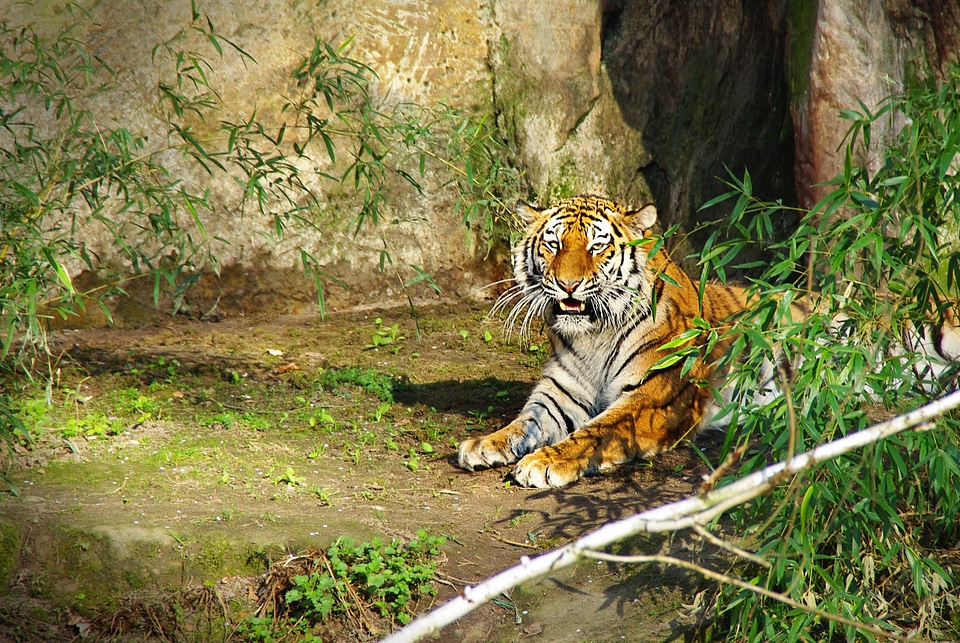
730	547
742	584
696	510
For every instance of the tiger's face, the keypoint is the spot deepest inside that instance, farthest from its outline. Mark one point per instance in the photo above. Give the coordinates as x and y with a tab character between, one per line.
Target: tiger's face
576	267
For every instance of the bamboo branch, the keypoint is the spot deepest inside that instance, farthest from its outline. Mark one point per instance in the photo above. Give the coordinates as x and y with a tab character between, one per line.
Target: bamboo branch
695	510
742	584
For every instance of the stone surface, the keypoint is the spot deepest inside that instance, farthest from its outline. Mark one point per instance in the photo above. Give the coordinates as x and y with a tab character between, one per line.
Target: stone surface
642	100
861	51
705	84
645	100
420	55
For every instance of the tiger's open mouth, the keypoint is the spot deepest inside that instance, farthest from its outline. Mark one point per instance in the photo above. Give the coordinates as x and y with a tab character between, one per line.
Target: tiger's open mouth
571	306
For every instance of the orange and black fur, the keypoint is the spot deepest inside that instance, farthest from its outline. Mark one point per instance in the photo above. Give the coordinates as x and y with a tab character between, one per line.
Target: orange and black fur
606	311
608	306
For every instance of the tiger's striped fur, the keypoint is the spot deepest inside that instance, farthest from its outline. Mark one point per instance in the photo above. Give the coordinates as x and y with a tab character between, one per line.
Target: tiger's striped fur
606	313
584	267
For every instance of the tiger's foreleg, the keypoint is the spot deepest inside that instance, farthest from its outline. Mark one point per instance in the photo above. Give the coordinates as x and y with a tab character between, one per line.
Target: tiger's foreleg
502	447
547	417
625	431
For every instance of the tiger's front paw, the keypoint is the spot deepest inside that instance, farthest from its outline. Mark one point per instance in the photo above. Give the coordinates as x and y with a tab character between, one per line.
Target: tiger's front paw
544	469
494	450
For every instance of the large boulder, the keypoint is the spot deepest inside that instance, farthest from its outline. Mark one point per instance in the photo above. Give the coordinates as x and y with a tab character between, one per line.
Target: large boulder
849	55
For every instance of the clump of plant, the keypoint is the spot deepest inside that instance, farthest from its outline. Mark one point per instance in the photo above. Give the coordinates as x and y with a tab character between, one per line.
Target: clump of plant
379	384
387	337
867	538
367	586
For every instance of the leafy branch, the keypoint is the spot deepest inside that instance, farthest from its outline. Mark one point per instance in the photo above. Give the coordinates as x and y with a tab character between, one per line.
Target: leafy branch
692	512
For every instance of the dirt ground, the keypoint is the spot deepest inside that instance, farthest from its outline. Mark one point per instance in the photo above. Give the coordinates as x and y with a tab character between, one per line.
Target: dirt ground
187	454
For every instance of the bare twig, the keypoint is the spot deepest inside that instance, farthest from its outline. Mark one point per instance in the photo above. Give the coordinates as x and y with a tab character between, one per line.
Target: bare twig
730	547
711	480
742	584
695	510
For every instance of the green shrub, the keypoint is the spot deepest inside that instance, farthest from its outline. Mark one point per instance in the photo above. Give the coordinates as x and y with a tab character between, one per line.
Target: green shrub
345	582
861	536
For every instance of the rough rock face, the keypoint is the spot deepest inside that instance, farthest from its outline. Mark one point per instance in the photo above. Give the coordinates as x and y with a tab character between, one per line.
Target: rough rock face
862	51
705	83
421	54
643	100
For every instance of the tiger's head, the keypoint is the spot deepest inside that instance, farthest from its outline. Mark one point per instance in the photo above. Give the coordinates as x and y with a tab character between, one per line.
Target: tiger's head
576	268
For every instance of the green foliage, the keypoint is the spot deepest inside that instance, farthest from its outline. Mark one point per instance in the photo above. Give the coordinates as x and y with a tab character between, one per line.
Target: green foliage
329	141
486	186
290	477
378	384
91	425
61	170
861	536
15	430
388	337
383	577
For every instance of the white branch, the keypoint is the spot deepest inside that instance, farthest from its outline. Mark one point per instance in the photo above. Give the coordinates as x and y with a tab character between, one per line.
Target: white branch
696	510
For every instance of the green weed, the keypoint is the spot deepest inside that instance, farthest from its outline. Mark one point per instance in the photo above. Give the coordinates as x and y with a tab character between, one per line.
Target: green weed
324	495
388	337
378	384
319	418
132	402
386	577
380	412
160	369
92	425
290	477
32	416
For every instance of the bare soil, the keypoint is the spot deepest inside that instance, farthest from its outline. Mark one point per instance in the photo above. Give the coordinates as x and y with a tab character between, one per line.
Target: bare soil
224	454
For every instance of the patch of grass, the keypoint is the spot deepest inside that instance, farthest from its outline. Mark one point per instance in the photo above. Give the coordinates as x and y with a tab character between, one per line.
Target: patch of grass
92	425
159	370
132	402
226	419
179	455
378	384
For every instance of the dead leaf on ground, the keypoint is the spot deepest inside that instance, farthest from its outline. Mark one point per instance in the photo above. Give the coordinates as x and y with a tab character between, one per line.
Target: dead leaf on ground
533	629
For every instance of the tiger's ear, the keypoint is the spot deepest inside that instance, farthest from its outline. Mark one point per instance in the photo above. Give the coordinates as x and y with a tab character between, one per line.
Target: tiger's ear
643	219
527	213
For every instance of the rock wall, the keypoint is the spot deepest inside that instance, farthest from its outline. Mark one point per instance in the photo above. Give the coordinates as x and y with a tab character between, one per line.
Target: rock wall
646	100
642	100
853	51
420	53
650	99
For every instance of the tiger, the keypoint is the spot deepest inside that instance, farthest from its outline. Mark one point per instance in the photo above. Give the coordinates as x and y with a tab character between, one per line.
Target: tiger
609	301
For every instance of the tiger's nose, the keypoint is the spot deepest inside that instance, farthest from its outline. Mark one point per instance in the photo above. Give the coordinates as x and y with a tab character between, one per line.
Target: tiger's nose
569	286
